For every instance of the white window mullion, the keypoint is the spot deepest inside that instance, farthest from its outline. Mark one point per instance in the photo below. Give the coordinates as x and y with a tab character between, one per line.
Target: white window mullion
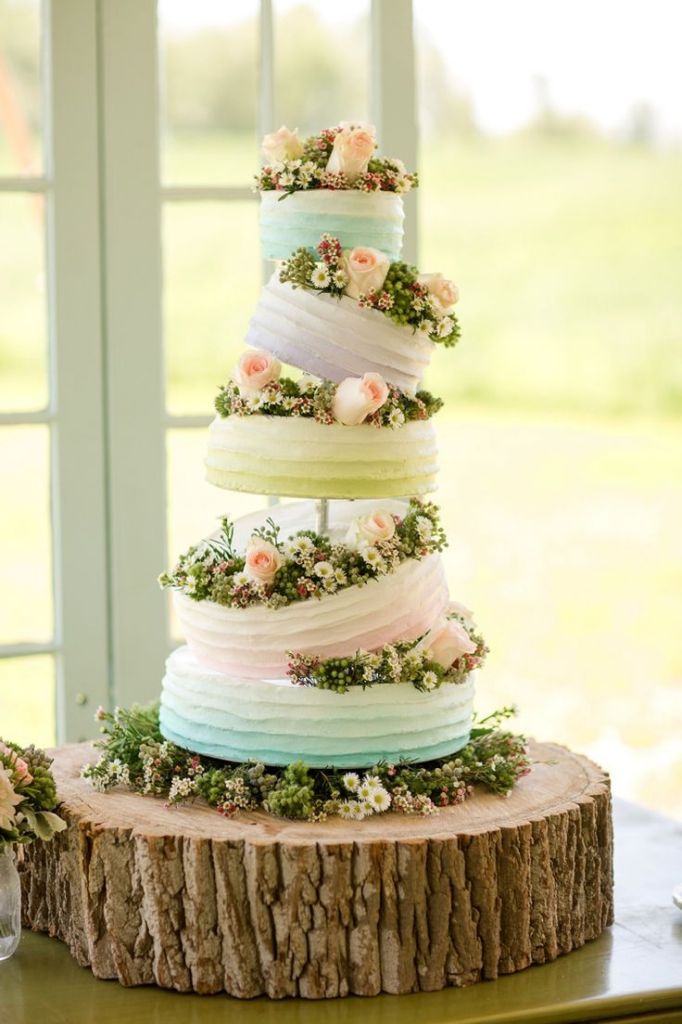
133	343
393	101
77	432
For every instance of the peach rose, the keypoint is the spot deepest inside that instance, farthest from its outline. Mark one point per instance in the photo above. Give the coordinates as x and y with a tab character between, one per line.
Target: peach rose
366	269
282	145
370	529
263	560
255	369
447	642
357	398
353	149
444	293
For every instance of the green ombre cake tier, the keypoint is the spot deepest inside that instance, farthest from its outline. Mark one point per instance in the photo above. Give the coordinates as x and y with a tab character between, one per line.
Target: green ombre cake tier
288	222
299	457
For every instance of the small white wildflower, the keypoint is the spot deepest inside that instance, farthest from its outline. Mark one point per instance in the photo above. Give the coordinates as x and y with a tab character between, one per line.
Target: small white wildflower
346	809
372	557
380	800
424	528
396	418
445	327
320	276
430	680
351	781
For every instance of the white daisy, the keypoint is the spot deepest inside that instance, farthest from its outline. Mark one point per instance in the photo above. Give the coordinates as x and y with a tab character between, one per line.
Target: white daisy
351	781
357	810
240	579
373	781
365	790
305	545
380	800
430	680
396	418
340	278
325	570
346	809
371	556
445	327
320	276
340	577
424	528
286	179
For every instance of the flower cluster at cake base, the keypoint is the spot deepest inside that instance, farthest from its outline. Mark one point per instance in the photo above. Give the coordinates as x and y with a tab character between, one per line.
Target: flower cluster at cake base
135	755
449	651
276	572
424	302
257	389
28	795
336	158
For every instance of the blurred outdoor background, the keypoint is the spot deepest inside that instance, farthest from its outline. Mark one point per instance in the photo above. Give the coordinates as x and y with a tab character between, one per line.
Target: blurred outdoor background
551	192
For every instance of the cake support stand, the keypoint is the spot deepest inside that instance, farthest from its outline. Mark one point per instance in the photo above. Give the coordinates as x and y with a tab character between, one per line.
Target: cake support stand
189	900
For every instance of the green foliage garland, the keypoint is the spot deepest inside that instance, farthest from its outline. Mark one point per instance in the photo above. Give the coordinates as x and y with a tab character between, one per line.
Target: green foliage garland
134	754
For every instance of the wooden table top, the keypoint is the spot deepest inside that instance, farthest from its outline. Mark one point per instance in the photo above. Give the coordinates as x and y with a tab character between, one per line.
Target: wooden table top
632	973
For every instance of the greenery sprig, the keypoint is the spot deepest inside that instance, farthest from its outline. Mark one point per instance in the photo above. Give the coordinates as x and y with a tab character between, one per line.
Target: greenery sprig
312	566
134	754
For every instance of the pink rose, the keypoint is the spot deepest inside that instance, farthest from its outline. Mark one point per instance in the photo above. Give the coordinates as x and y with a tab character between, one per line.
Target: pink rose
444	293
370	529
16	763
356	398
447	642
263	560
353	149
282	145
366	270
255	369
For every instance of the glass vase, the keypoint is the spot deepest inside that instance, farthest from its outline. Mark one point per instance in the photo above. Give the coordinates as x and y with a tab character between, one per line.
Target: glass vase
10	903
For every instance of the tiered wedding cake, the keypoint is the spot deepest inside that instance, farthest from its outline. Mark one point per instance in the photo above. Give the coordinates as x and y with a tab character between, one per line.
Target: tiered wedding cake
318	630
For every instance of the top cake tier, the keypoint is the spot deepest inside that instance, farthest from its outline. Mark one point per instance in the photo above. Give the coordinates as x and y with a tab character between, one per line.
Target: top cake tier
330	183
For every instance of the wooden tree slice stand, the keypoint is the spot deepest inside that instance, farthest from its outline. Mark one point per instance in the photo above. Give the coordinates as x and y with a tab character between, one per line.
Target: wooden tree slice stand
188	900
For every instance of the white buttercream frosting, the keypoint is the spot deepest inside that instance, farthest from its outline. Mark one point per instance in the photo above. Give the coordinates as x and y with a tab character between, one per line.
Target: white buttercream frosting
303	458
275	721
336	338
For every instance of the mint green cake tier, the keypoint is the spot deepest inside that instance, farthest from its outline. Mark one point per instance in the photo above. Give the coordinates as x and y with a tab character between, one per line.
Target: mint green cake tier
299	457
373	219
276	722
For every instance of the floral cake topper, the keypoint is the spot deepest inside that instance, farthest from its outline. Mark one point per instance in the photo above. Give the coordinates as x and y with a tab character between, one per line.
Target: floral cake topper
337	158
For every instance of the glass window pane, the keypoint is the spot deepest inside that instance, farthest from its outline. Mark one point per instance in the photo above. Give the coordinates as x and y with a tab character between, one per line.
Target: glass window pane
321	63
23	316
20	88
209	78
27	700
26	606
212	280
550	192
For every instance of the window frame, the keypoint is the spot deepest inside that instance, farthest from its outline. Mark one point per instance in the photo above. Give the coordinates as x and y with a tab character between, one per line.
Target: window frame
106	414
